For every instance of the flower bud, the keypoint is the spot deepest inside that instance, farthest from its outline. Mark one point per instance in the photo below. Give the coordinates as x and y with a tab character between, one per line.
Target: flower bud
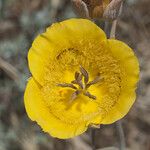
97	9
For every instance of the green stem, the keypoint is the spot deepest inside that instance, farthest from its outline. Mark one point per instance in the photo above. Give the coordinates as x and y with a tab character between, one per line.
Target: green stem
121	136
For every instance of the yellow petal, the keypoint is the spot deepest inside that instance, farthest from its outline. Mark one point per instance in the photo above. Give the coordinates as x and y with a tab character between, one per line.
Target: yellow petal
38	57
56	39
37	110
130	66
83	28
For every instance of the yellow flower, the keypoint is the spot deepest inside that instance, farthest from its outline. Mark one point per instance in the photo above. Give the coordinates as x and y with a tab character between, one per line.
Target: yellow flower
79	78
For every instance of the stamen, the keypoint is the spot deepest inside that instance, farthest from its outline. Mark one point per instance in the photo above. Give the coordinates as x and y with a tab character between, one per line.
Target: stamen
74	82
77	75
67	85
82	86
96	80
85	74
78	80
74	95
90	95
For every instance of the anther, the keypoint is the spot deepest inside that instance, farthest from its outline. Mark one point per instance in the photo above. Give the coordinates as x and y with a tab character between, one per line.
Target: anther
85	74
67	85
96	80
88	94
77	75
78	80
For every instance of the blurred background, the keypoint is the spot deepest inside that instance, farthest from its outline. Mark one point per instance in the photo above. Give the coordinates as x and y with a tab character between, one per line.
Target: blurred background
20	22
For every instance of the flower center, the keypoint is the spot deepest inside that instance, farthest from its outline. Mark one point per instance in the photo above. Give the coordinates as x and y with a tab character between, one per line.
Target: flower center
82	81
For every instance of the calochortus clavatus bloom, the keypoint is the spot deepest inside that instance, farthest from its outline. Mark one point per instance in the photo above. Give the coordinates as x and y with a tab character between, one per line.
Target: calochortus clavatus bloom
79	78
97	9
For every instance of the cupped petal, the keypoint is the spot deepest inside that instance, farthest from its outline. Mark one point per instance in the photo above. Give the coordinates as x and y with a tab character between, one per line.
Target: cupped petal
129	77
39	56
58	38
38	111
83	28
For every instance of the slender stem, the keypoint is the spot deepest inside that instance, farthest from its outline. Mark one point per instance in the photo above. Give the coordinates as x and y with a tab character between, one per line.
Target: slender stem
114	23
121	136
107	28
93	139
113	29
111	33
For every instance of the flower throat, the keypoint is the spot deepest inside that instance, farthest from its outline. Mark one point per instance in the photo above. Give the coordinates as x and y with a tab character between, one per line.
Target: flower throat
83	83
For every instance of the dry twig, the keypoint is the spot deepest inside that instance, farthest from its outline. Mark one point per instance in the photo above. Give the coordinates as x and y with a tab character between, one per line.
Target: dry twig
11	71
